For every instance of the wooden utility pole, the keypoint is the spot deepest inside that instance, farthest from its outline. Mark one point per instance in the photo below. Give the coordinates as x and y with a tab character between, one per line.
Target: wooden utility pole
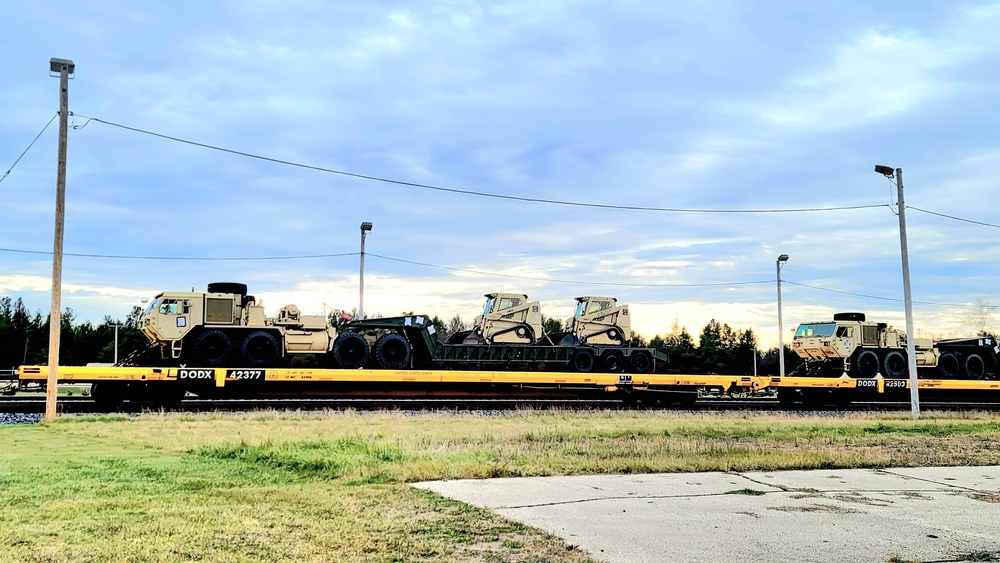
64	67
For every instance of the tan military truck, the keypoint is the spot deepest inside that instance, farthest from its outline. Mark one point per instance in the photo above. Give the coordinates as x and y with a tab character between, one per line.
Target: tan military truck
854	346
225	326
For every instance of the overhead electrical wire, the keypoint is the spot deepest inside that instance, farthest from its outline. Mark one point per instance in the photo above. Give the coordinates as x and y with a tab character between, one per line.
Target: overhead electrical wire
953	217
577	282
31	144
193	258
469	192
870	296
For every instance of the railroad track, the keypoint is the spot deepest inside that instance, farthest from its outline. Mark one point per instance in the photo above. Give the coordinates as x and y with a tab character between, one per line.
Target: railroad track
84	405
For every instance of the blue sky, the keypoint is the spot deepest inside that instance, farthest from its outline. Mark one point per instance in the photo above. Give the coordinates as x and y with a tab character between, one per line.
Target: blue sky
711	105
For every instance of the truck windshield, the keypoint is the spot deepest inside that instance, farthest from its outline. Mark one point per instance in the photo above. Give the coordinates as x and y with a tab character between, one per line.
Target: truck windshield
152	305
579	309
820	330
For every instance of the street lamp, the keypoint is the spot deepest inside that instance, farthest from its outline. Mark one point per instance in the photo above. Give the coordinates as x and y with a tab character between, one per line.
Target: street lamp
366	227
911	355
781	329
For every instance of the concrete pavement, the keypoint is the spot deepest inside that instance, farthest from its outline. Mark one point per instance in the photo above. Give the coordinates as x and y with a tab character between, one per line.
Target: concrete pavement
906	514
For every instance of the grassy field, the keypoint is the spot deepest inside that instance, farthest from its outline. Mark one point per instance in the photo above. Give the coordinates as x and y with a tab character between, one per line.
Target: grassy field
333	487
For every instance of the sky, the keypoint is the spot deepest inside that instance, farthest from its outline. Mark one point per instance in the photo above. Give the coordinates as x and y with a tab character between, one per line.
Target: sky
752	109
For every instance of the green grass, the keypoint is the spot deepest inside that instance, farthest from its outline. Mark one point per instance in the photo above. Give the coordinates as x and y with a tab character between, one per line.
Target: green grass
322	487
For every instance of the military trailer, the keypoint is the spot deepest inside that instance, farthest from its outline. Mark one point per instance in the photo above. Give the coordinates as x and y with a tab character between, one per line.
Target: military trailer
852	345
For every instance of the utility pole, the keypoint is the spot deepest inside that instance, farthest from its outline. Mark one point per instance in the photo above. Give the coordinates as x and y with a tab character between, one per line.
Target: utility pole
116	342
65	68
911	354
781	329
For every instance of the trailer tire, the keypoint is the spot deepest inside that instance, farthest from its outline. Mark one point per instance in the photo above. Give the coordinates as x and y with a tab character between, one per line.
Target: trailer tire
895	365
975	366
212	348
867	364
612	361
640	362
350	350
583	361
949	366
260	349
392	351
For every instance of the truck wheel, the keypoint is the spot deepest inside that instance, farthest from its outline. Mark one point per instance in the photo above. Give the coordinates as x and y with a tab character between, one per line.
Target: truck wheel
895	365
260	349
975	367
867	364
582	361
640	362
949	365
350	349
612	361
392	351
212	348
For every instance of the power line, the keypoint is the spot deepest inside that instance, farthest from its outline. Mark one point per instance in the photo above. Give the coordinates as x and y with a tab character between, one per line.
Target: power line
192	258
5	174
470	192
576	282
871	296
953	217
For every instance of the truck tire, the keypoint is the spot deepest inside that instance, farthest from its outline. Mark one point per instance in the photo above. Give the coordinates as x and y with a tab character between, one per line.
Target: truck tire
260	349
612	361
640	362
895	365
583	361
975	366
949	366
866	364
392	351
350	349
212	348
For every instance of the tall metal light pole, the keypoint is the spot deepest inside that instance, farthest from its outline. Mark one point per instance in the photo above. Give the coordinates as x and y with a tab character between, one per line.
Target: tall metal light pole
116	342
366	227
781	329
911	355
64	68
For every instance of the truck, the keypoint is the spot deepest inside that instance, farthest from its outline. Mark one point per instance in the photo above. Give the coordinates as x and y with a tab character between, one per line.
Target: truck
226	327
858	348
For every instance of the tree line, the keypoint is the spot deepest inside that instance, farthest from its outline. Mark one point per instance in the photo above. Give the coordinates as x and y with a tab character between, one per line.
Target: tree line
24	340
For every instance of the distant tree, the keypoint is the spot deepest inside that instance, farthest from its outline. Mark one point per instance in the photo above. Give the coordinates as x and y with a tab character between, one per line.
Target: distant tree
440	327
980	318
456	324
551	325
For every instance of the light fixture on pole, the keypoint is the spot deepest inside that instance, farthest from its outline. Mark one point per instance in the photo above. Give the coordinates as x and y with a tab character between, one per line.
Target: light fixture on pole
64	69
911	355
366	227
781	337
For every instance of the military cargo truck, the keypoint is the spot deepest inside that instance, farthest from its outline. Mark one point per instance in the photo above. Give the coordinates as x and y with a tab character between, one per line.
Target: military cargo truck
225	326
852	345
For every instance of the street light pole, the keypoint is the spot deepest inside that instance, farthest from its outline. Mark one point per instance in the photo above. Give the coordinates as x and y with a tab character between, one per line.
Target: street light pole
65	68
366	227
781	329
911	354
116	343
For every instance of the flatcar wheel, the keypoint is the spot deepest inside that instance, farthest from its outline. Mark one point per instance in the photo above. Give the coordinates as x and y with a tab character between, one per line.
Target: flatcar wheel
640	362
895	365
949	366
867	364
612	361
108	395
350	350
392	351
583	361
975	366
260	349
212	348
